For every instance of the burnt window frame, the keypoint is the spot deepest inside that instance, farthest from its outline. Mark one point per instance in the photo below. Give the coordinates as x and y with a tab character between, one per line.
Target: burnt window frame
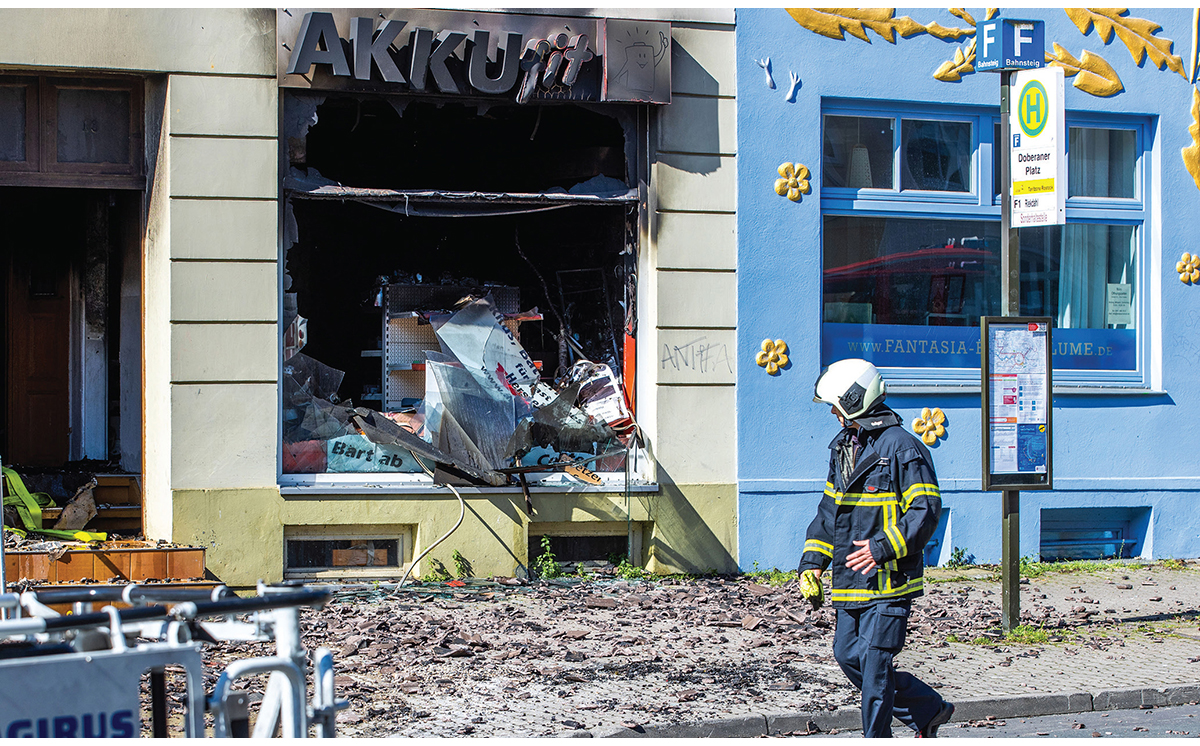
642	466
32	162
41	166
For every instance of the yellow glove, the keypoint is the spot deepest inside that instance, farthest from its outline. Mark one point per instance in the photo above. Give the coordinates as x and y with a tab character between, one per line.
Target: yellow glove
811	588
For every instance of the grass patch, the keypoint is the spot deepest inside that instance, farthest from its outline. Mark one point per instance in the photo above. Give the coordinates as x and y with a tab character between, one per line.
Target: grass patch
953	579
1030	568
981	640
960	558
772	577
1027	635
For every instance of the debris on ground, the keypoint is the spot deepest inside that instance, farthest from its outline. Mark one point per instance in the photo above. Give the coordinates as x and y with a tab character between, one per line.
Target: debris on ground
511	657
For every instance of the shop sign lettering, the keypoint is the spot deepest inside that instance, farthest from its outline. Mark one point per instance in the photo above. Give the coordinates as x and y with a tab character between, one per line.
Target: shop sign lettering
896	345
119	724
545	63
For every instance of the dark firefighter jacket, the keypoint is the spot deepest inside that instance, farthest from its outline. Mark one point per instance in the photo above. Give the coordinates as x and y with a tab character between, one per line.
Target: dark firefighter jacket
890	498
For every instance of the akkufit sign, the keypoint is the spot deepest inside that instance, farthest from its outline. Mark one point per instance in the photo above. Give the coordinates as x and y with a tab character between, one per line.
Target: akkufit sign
525	57
1039	170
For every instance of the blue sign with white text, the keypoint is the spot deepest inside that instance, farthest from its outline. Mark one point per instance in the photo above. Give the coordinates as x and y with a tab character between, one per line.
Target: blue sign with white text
1009	44
900	346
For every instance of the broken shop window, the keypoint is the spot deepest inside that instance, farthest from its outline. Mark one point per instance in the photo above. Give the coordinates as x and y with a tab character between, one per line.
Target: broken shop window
485	413
474	334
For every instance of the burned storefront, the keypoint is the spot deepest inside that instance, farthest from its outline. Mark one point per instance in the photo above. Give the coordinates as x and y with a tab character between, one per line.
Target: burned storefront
461	232
266	267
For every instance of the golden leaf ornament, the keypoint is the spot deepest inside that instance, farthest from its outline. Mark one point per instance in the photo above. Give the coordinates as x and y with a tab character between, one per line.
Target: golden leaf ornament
1137	34
837	22
1091	72
1191	154
951	71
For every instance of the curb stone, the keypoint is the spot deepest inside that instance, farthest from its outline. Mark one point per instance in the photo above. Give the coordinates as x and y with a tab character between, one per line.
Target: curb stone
1022	705
979	708
746	726
843	718
1122	699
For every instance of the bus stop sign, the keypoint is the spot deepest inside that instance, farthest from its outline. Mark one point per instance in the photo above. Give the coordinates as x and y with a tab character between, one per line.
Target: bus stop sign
1010	44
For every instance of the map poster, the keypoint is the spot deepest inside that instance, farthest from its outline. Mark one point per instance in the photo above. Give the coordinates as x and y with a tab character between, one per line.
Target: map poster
1017	388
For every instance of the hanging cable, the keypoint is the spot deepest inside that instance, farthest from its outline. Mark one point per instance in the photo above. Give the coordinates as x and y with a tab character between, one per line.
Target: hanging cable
461	515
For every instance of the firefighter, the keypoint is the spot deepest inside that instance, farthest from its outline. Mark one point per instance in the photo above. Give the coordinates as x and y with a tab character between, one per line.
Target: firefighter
880	507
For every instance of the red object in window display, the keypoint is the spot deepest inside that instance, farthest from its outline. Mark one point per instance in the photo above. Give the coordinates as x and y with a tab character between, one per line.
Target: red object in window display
305	457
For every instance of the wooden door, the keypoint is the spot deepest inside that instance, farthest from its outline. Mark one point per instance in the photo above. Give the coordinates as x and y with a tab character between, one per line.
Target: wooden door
38	317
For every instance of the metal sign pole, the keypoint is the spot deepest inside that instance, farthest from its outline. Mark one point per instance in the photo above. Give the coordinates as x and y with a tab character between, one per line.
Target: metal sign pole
1010	290
3	579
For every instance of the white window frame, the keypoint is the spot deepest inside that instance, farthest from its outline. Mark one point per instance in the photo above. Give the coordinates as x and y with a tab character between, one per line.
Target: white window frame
982	204
401	534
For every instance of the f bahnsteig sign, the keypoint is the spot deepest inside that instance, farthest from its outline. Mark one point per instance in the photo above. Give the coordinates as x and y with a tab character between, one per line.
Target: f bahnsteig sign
465	53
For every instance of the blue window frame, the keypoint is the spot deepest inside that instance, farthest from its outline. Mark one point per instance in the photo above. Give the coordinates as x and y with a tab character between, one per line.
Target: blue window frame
910	216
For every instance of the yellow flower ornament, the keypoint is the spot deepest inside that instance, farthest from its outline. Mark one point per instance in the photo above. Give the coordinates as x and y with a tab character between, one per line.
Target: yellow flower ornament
794	181
772	356
1188	268
931	425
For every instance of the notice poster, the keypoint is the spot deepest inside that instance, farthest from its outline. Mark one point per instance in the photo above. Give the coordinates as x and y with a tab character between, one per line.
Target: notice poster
1017	390
1119	306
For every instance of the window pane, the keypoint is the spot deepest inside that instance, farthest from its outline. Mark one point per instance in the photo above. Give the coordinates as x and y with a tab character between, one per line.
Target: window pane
936	155
910	271
12	123
1101	162
337	554
93	126
858	152
1085	276
909	292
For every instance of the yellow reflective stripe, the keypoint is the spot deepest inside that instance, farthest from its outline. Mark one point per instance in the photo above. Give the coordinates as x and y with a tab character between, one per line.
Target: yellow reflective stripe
887	530
892	530
813	545
917	490
865	498
862	594
925	487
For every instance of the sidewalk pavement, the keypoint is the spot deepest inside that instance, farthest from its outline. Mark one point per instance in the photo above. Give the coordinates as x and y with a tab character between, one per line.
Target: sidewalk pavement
728	657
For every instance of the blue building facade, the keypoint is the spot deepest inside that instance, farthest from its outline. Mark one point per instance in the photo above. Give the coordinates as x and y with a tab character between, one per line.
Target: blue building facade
869	226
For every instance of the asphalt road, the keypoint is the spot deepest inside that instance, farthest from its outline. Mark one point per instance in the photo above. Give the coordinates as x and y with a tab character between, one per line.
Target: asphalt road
1160	722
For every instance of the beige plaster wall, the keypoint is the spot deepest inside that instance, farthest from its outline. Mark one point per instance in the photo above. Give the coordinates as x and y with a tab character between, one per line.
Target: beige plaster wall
208	41
242	529
223	281
693	319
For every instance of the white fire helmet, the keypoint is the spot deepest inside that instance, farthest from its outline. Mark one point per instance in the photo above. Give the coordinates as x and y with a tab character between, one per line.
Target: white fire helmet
853	386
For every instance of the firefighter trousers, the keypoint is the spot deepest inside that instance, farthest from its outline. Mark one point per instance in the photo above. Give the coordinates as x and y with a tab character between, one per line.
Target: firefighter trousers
864	644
